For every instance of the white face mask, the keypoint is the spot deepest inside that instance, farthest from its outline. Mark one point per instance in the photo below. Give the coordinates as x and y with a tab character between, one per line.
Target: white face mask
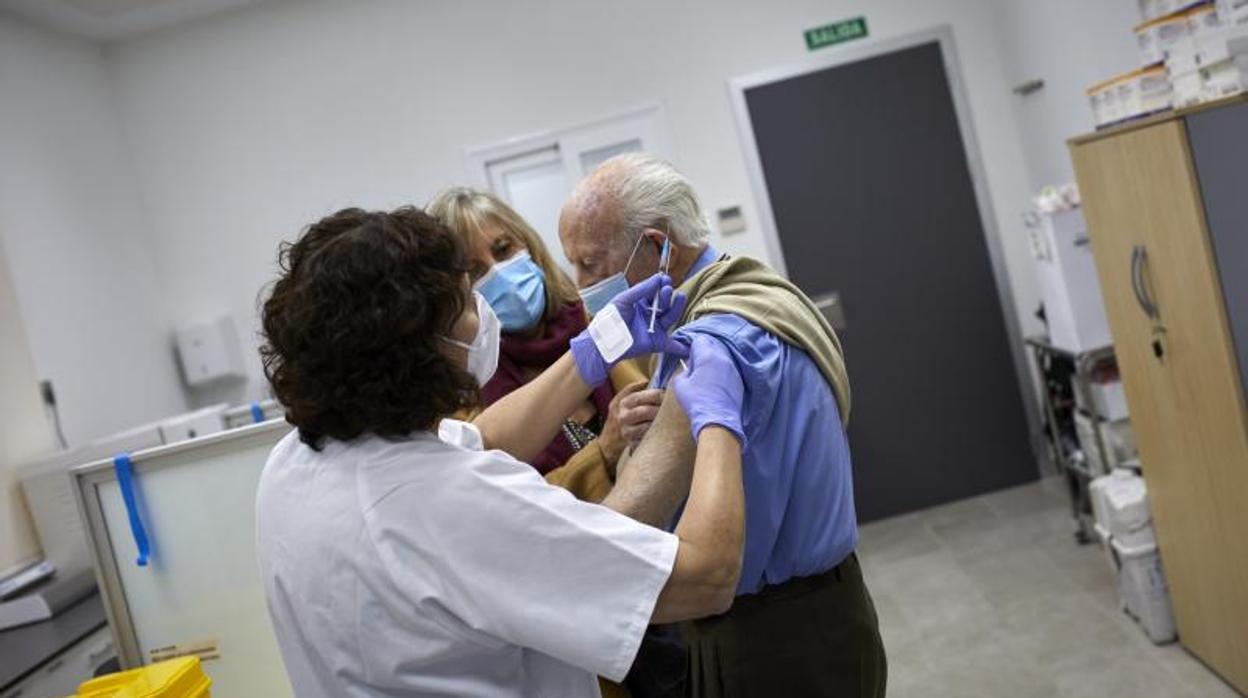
483	351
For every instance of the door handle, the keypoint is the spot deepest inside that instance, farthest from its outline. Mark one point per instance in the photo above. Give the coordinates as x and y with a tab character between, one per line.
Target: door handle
1139	258
829	305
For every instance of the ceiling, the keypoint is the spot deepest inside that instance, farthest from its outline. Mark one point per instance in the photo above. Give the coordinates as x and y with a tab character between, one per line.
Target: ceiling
111	20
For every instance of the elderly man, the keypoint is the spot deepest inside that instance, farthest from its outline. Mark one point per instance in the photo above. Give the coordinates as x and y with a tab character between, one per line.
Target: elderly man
803	623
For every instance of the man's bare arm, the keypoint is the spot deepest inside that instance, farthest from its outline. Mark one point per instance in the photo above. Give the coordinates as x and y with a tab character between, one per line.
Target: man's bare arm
657	476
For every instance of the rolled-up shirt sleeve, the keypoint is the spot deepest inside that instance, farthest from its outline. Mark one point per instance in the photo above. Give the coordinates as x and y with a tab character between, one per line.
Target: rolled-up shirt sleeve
526	563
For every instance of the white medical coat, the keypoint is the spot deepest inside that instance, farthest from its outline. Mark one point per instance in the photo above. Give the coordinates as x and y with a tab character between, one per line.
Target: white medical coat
422	567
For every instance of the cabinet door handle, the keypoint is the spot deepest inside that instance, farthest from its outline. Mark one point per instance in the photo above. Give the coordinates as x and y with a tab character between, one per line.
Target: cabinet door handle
1139	257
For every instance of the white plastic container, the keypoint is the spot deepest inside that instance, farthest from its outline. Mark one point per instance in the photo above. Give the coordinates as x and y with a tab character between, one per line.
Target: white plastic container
1142	587
1160	37
1217	46
1222	80
1188	89
1104	100
1233	11
1181	63
1203	20
1146	91
1119	443
1108	398
1069	286
1124	502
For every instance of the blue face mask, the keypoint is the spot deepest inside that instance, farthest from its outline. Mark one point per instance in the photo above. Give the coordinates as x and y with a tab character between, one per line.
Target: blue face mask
516	291
597	296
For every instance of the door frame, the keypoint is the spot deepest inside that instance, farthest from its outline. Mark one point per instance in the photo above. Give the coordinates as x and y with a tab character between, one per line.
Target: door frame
942	35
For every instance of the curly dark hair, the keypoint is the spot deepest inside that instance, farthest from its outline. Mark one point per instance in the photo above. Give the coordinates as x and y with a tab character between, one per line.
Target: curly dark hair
352	326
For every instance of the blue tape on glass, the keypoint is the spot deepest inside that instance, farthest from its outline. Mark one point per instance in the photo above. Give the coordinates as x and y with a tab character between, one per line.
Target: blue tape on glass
125	479
257	414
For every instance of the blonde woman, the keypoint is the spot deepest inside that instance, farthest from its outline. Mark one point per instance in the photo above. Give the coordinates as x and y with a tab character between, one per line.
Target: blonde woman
540	312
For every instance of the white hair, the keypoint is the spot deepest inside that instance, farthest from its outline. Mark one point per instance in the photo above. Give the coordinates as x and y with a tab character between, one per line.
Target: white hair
650	193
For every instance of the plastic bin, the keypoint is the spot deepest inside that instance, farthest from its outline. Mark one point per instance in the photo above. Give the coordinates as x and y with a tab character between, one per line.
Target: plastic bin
1144	92
1233	11
1142	587
1119	443
1188	89
1158	38
175	678
1108	396
1222	79
1203	20
1103	97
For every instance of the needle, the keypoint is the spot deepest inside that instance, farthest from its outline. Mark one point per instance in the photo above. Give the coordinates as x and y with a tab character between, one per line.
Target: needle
665	259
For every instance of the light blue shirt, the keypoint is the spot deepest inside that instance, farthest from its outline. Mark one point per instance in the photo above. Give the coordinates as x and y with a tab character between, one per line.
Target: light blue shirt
799	492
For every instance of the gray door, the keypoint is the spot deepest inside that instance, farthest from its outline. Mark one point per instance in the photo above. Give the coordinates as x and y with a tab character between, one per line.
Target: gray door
872	196
1221	155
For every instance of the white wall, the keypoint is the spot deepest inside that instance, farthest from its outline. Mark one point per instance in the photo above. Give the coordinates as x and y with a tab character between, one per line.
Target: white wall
77	239
250	125
1071	45
24	433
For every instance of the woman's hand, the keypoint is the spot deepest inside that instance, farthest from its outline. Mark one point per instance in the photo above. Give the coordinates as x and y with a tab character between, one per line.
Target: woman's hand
612	439
637	413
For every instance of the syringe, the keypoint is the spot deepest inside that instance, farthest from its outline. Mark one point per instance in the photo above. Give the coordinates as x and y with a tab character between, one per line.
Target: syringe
665	259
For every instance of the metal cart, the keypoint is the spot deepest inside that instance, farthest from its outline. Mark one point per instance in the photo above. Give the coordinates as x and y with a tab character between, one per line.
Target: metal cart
1073	466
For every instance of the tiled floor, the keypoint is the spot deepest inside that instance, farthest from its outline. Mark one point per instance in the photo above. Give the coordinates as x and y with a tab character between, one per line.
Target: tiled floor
992	597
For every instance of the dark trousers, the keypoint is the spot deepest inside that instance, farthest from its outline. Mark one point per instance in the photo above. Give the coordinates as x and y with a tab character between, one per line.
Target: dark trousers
812	636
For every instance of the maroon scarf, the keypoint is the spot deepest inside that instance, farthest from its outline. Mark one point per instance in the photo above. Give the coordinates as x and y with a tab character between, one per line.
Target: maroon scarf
516	354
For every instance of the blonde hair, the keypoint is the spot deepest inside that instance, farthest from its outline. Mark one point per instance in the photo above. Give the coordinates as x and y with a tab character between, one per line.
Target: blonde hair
467	211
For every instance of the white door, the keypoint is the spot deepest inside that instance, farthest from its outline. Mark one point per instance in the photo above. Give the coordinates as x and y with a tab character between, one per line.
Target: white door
536	185
535	174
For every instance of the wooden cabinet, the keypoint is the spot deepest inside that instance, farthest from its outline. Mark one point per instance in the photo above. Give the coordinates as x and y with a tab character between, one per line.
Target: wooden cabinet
1146	214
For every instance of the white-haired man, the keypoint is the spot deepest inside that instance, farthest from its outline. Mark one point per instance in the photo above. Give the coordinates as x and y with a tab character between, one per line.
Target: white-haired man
803	622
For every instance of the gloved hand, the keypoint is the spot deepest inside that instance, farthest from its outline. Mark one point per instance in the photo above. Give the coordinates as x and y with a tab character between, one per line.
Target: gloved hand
711	390
633	307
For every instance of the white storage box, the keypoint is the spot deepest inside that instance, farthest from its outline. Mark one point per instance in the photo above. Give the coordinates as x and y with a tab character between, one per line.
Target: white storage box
1103	97
1069	285
1233	11
1146	91
1142	586
1222	79
1181	63
1217	46
1203	20
1124	506
1188	89
1108	398
1119	443
1158	38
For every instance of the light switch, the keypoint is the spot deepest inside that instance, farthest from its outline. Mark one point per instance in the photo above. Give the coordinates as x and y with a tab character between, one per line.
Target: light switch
731	220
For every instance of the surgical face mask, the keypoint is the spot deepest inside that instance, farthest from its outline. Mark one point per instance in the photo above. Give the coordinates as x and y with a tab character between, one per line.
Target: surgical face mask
597	296
516	291
483	351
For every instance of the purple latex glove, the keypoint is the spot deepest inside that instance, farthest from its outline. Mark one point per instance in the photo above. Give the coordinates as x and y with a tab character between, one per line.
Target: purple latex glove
634	308
711	390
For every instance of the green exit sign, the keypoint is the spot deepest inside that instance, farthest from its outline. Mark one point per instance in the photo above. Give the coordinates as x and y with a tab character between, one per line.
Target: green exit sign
836	32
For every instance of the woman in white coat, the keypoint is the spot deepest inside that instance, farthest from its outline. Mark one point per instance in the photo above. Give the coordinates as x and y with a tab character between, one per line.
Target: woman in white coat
407	554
